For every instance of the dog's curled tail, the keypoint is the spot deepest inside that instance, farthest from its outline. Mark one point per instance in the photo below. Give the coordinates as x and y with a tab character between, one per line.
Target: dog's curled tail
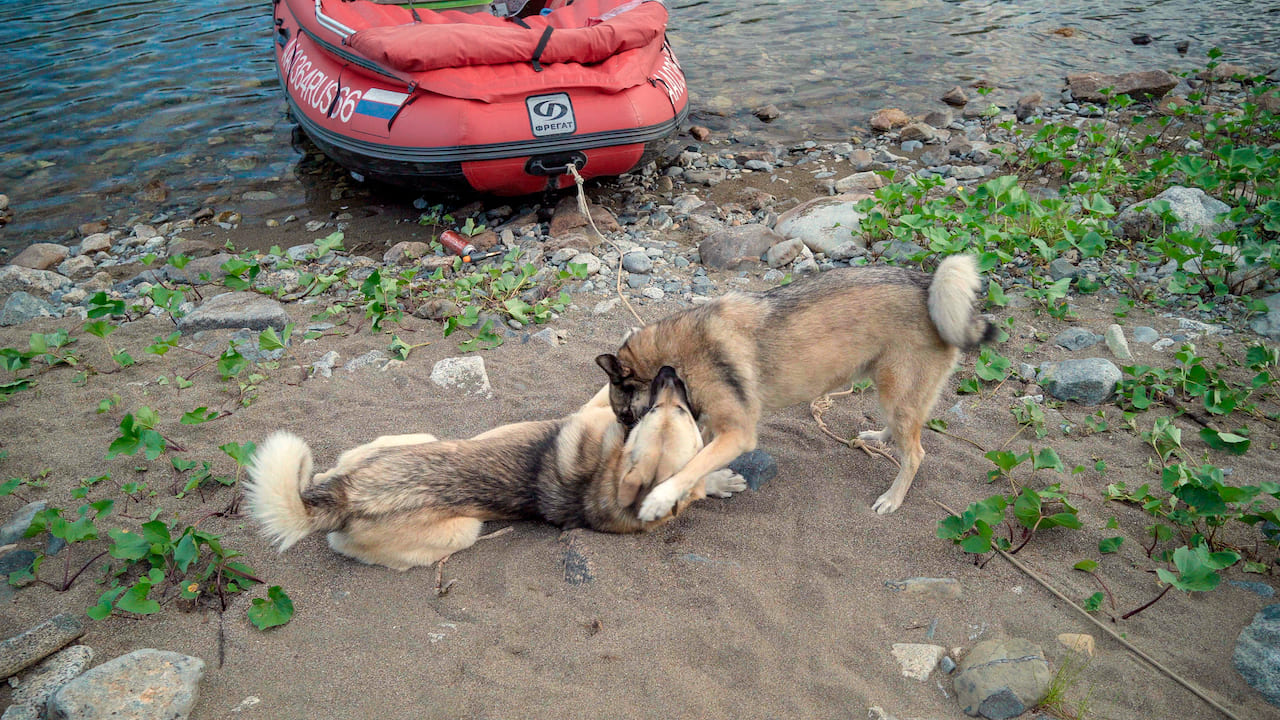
953	303
281	470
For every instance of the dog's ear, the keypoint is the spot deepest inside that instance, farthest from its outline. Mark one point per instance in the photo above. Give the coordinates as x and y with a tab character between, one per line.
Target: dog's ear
609	363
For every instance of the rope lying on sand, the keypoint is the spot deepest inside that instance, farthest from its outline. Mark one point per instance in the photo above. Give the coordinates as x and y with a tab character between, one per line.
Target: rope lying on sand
1114	635
585	209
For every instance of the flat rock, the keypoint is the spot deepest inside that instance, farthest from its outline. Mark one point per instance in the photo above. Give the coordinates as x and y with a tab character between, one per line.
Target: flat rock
324	366
463	373
1088	87
77	268
1257	653
200	270
192	248
1088	381
21	307
955	97
737	248
1077	642
1028	104
866	180
21	712
1062	268
784	252
143	685
1000	679
1145	335
922	132
23	651
1076	338
12	561
235	310
372	359
918	660
95	242
405	252
887	119
756	468
16	526
37	282
824	223
636	262
1268	325
568	216
51	674
41	256
933	588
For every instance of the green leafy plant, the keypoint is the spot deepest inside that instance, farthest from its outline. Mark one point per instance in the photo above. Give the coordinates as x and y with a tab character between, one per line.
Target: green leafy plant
274	610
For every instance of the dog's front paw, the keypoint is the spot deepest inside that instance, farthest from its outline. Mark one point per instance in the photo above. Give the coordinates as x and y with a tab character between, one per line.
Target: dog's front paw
724	483
886	503
879	437
659	502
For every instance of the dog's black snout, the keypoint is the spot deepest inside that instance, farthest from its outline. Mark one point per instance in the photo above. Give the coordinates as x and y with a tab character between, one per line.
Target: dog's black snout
666	377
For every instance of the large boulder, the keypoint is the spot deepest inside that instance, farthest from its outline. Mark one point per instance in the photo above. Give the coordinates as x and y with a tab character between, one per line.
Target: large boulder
41	256
824	224
235	310
1194	211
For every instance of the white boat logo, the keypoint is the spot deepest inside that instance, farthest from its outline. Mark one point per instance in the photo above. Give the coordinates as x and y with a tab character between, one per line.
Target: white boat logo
551	114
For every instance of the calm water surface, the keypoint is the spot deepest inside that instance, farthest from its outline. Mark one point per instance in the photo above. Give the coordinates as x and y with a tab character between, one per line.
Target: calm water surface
105	106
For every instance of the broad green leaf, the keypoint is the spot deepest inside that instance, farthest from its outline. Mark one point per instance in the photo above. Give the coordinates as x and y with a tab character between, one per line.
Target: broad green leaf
242	454
1110	545
195	417
103	608
276	609
128	545
186	551
1086	565
1047	459
268	340
135	599
156	533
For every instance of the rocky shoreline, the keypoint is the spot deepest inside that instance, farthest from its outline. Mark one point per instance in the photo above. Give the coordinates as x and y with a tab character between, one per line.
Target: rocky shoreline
687	231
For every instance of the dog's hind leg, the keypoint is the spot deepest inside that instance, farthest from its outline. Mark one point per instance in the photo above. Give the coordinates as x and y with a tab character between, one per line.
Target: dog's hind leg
408	543
906	400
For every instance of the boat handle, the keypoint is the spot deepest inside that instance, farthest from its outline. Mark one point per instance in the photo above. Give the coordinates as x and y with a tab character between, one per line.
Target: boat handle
330	24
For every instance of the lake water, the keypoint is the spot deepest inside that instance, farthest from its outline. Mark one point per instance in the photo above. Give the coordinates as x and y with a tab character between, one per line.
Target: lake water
154	105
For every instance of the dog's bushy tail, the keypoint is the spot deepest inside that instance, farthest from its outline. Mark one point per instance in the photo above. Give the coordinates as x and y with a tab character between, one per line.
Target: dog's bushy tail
953	303
281	470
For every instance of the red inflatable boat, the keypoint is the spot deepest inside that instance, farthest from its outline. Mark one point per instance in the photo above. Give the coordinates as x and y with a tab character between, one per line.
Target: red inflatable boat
502	96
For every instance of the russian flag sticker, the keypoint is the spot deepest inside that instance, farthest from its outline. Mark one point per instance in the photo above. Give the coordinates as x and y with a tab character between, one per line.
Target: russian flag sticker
380	103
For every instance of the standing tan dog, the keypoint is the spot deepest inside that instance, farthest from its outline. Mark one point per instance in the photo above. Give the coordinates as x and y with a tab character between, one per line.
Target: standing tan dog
406	500
748	352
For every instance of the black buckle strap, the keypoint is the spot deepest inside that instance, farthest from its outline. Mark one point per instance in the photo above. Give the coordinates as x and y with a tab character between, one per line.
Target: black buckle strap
542	45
